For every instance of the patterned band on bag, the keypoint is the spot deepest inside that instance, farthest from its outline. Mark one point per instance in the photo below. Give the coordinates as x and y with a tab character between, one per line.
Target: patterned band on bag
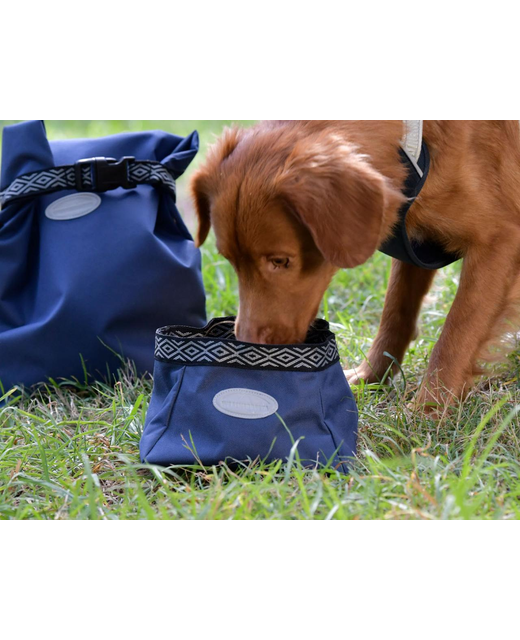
215	345
83	179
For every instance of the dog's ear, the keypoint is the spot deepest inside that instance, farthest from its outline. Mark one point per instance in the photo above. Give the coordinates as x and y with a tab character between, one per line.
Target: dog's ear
338	196
199	189
204	181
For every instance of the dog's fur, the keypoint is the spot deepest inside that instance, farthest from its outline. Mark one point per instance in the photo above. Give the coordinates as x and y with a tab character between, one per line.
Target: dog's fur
291	202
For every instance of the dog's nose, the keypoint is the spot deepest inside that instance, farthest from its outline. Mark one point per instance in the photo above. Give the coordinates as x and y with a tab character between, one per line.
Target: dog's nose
251	333
270	334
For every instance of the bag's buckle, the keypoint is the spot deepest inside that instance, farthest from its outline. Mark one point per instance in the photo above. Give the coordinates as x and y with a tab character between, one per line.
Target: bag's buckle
106	174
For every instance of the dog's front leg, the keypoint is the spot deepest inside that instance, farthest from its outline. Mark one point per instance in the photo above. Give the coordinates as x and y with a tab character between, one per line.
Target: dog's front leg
406	289
488	273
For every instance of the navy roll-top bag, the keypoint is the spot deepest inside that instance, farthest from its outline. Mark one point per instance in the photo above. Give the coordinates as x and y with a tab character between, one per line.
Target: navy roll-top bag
216	398
94	255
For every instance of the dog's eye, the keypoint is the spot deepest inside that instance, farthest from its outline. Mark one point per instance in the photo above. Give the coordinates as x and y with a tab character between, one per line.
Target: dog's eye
280	263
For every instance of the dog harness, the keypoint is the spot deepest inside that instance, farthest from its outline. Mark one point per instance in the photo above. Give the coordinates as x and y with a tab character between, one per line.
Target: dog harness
427	254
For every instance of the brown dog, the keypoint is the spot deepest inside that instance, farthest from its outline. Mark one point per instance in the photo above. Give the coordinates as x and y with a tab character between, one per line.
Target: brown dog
291	202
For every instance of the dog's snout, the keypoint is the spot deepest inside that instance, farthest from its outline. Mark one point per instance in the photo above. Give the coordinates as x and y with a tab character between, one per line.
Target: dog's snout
261	335
267	334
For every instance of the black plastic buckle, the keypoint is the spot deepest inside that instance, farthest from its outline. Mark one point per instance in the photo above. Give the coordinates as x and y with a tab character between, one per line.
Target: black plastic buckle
107	174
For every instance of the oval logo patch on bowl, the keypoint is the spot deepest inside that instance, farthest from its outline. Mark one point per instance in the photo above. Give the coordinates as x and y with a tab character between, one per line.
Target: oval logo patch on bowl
245	403
73	206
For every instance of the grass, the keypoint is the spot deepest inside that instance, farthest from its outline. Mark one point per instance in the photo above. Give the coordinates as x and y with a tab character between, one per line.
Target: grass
72	452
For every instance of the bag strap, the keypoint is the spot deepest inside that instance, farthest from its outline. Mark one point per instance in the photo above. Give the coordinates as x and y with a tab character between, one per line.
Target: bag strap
91	174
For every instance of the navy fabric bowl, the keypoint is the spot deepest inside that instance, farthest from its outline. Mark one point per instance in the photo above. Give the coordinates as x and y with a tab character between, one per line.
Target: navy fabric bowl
216	398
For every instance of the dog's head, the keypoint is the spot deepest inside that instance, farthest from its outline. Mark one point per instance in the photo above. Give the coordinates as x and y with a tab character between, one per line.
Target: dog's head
288	210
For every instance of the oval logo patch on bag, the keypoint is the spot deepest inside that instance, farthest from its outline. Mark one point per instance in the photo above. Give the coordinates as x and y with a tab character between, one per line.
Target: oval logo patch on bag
73	206
245	403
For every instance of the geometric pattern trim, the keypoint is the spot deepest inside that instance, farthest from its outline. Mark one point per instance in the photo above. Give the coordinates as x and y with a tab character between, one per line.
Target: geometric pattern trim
215	345
61	178
153	173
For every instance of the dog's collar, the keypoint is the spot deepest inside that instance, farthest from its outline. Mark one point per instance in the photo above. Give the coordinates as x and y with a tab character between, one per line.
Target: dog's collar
426	254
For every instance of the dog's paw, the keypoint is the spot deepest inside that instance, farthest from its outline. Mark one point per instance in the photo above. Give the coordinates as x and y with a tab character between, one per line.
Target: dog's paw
360	374
425	408
433	402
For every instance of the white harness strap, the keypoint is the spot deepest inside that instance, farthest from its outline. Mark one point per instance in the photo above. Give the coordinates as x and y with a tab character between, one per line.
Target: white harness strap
426	253
411	142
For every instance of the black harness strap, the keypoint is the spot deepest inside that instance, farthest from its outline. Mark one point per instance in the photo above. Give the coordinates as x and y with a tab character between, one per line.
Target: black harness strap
426	254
